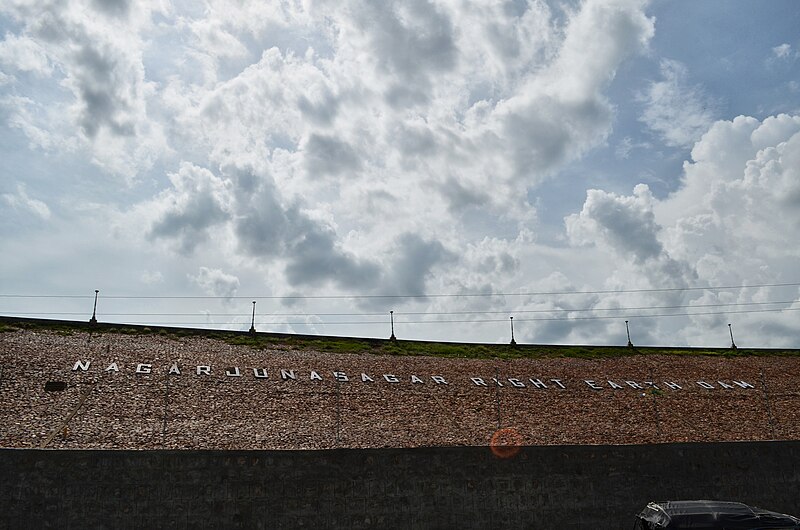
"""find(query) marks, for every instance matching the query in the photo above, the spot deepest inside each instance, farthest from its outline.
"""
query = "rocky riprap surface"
(385, 401)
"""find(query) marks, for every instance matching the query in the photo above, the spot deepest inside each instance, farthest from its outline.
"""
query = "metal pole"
(391, 319)
(733, 344)
(253, 321)
(93, 320)
(627, 329)
(512, 331)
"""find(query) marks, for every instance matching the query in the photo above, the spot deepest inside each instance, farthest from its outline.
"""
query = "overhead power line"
(407, 296)
(465, 321)
(414, 313)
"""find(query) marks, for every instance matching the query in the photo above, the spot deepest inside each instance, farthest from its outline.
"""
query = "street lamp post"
(93, 320)
(628, 331)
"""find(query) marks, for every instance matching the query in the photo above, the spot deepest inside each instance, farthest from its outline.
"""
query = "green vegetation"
(5, 328)
(362, 346)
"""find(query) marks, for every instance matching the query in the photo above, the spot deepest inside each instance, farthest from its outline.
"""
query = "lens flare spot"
(506, 443)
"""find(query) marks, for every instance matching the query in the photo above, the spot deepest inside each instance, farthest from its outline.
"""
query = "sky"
(570, 164)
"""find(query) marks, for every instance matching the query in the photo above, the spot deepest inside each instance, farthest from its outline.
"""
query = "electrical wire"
(471, 321)
(402, 313)
(406, 296)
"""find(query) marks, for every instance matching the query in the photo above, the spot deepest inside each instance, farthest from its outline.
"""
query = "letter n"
(83, 365)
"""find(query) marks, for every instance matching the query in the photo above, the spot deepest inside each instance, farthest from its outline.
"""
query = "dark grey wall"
(541, 487)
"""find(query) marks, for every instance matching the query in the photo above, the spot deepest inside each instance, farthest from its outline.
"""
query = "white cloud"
(561, 112)
(627, 145)
(734, 221)
(24, 54)
(624, 224)
(31, 118)
(678, 112)
(306, 147)
(626, 228)
(784, 51)
(93, 54)
(151, 277)
(197, 203)
(21, 201)
(215, 282)
(365, 142)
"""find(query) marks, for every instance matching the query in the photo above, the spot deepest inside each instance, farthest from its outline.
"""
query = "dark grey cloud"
(414, 141)
(266, 228)
(412, 262)
(411, 41)
(119, 8)
(627, 224)
(97, 74)
(633, 234)
(321, 112)
(263, 226)
(188, 223)
(327, 155)
(460, 197)
(106, 78)
(546, 133)
(502, 262)
(402, 96)
(315, 260)
(604, 331)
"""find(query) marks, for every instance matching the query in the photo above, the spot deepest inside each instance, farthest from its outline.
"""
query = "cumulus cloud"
(677, 111)
(197, 202)
(734, 221)
(413, 260)
(394, 148)
(410, 41)
(99, 64)
(112, 7)
(327, 155)
(744, 171)
(627, 228)
(25, 54)
(345, 113)
(351, 162)
(625, 224)
(562, 112)
(744, 225)
(201, 204)
(215, 282)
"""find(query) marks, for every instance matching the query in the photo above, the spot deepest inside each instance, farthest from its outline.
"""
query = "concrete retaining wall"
(540, 487)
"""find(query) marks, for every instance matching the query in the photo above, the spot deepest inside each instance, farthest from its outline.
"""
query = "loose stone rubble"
(141, 405)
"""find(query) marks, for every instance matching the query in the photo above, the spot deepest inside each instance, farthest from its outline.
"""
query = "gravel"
(130, 410)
